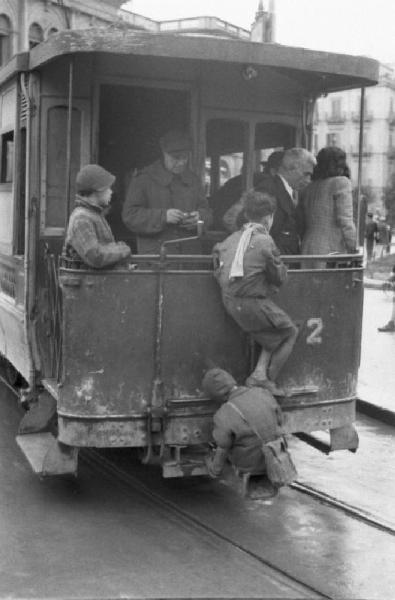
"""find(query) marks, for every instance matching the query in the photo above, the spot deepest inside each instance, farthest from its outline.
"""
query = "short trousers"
(259, 317)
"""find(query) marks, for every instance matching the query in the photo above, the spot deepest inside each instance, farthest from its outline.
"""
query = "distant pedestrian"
(390, 284)
(370, 236)
(382, 238)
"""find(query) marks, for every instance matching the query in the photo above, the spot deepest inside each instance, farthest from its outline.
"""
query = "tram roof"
(320, 71)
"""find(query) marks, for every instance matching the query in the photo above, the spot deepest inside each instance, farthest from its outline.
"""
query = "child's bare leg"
(260, 371)
(282, 352)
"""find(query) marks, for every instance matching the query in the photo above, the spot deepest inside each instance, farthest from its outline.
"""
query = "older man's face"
(300, 176)
(176, 162)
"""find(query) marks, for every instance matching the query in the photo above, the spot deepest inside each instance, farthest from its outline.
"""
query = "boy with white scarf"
(249, 271)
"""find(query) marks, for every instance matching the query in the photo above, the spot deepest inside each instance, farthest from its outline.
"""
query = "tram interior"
(132, 119)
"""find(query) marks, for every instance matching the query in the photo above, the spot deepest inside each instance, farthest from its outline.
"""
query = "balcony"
(368, 116)
(391, 118)
(336, 118)
(391, 153)
(366, 152)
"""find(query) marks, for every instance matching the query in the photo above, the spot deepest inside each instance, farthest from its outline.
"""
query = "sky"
(362, 27)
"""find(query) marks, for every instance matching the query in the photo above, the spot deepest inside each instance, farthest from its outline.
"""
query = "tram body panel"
(112, 347)
(326, 305)
(108, 343)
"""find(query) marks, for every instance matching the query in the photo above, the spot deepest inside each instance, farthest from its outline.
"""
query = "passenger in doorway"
(249, 271)
(370, 235)
(89, 238)
(234, 436)
(166, 199)
(390, 285)
(234, 216)
(293, 175)
(327, 208)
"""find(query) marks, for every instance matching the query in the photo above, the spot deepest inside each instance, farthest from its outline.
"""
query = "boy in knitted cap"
(89, 238)
(249, 271)
(232, 431)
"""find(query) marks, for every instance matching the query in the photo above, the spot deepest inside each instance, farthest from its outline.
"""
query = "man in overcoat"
(166, 199)
(293, 175)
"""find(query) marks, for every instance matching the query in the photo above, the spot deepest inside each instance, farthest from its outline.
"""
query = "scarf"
(237, 267)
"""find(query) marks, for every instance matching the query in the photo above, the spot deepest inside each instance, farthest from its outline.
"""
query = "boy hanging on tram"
(249, 270)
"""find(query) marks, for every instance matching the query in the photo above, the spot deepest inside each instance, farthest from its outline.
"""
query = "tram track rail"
(346, 508)
(101, 464)
(109, 468)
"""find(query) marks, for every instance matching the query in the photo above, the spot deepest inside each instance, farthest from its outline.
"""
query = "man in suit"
(293, 175)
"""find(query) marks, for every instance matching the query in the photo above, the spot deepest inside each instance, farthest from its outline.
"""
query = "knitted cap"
(175, 141)
(217, 383)
(93, 178)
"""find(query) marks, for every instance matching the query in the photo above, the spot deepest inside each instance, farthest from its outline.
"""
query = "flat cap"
(217, 383)
(93, 178)
(175, 141)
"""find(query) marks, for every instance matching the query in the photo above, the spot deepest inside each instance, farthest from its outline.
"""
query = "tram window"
(270, 137)
(7, 157)
(225, 143)
(5, 40)
(56, 163)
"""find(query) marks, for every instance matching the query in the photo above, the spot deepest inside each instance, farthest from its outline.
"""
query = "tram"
(116, 357)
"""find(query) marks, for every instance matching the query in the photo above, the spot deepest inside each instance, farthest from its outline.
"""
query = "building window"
(332, 139)
(52, 31)
(36, 35)
(336, 107)
(5, 39)
(7, 157)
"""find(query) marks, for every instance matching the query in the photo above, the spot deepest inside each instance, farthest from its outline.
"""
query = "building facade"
(336, 123)
(26, 23)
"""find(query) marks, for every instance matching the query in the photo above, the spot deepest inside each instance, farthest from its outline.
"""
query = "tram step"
(47, 456)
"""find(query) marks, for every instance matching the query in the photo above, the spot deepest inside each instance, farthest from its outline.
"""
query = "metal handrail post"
(360, 152)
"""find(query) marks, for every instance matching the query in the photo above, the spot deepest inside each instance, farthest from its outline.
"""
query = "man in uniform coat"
(166, 199)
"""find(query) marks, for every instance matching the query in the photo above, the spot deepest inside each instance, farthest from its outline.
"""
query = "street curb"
(373, 284)
(376, 412)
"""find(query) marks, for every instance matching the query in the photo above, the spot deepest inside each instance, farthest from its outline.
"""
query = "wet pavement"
(63, 538)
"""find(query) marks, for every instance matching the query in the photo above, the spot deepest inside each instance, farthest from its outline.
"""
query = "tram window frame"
(83, 106)
(213, 179)
(7, 157)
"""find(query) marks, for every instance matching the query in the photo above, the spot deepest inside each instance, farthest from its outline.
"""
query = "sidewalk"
(376, 380)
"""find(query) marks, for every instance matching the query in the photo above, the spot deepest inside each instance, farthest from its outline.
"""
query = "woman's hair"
(258, 204)
(331, 162)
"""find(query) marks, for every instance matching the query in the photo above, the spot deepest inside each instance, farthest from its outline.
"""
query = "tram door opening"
(132, 119)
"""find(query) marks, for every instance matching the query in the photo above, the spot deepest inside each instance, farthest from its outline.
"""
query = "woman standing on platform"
(326, 208)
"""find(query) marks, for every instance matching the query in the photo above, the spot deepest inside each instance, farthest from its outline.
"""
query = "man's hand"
(174, 216)
(211, 471)
(190, 220)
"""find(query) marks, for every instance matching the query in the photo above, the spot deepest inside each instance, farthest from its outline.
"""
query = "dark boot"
(390, 326)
